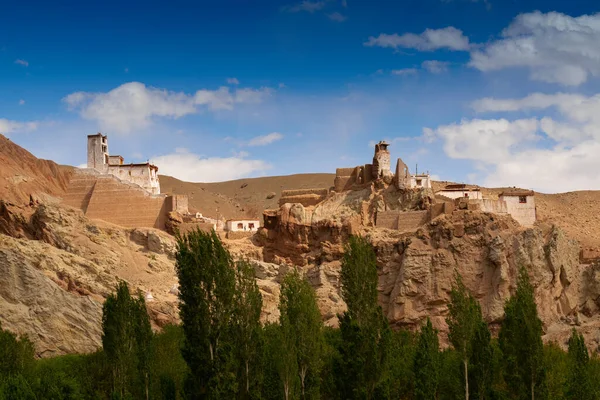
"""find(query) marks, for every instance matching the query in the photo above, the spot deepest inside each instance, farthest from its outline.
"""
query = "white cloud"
(484, 140)
(541, 153)
(405, 71)
(22, 62)
(233, 81)
(7, 126)
(194, 168)
(337, 17)
(554, 47)
(134, 105)
(306, 5)
(430, 40)
(265, 139)
(434, 66)
(21, 102)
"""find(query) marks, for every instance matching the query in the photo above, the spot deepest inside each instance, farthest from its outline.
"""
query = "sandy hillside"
(242, 197)
(22, 174)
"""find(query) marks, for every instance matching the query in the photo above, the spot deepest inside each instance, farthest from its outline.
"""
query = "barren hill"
(22, 174)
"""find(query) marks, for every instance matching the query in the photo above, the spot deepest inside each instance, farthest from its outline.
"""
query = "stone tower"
(97, 152)
(381, 160)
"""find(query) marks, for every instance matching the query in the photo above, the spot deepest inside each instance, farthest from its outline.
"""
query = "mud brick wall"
(179, 203)
(122, 204)
(387, 219)
(300, 192)
(411, 220)
(306, 197)
(306, 200)
(79, 191)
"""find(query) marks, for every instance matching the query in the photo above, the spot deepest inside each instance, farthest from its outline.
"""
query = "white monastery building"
(98, 158)
(243, 225)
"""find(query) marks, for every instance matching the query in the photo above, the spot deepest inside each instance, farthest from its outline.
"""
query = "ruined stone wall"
(345, 178)
(411, 220)
(179, 203)
(306, 197)
(404, 221)
(387, 219)
(441, 208)
(402, 178)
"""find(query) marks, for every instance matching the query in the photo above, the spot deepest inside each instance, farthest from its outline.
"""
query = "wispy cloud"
(337, 17)
(404, 71)
(265, 139)
(306, 5)
(21, 102)
(24, 63)
(233, 81)
(435, 66)
(430, 40)
(7, 126)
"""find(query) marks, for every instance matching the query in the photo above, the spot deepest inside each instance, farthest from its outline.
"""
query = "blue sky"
(496, 92)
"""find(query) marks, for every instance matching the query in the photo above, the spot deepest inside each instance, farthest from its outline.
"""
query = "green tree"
(301, 325)
(16, 387)
(365, 331)
(482, 362)
(126, 337)
(247, 328)
(167, 366)
(16, 354)
(520, 340)
(427, 363)
(557, 371)
(579, 384)
(464, 319)
(207, 284)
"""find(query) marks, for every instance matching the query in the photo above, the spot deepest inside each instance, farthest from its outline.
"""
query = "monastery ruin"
(400, 201)
(129, 195)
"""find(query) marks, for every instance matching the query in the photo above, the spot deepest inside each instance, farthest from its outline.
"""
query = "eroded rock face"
(416, 269)
(59, 267)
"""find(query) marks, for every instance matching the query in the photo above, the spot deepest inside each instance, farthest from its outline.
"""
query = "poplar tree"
(126, 339)
(365, 331)
(207, 284)
(301, 325)
(464, 319)
(427, 363)
(246, 326)
(579, 385)
(520, 340)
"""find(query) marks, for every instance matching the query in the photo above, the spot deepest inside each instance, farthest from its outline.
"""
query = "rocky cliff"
(416, 268)
(57, 267)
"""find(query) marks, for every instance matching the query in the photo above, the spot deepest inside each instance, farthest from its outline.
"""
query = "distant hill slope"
(242, 197)
(22, 174)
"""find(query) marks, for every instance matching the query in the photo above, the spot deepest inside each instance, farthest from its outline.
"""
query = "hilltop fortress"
(372, 196)
(368, 195)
